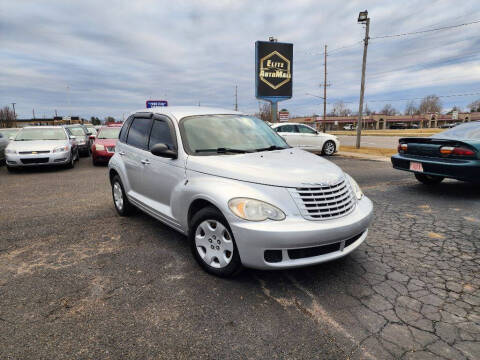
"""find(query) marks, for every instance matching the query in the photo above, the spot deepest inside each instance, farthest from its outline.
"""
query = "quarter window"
(161, 135)
(138, 133)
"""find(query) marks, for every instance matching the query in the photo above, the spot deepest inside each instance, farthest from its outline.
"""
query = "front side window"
(305, 130)
(207, 134)
(161, 135)
(41, 134)
(138, 133)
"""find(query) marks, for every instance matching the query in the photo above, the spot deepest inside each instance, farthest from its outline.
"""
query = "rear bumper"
(466, 170)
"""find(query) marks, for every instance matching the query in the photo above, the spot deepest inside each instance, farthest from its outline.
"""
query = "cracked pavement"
(77, 281)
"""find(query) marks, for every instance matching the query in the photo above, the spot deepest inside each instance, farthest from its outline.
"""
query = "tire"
(329, 148)
(120, 200)
(429, 179)
(71, 163)
(11, 169)
(77, 158)
(94, 162)
(212, 243)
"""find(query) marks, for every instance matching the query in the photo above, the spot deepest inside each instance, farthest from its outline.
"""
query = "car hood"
(36, 145)
(106, 142)
(287, 168)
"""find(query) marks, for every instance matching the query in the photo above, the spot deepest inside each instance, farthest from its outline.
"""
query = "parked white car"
(307, 138)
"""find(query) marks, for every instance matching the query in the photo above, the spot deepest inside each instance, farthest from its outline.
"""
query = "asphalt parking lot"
(79, 282)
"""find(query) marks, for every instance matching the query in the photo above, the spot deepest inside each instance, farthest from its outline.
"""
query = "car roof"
(287, 123)
(43, 127)
(73, 125)
(180, 112)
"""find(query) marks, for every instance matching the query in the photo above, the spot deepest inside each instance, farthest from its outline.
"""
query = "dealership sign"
(156, 103)
(273, 70)
(283, 116)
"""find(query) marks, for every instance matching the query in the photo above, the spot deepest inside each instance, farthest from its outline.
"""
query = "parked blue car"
(454, 153)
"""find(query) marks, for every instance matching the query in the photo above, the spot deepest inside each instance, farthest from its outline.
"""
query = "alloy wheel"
(329, 148)
(214, 243)
(118, 195)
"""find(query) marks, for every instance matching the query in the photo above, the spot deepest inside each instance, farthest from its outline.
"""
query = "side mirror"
(162, 150)
(92, 137)
(72, 137)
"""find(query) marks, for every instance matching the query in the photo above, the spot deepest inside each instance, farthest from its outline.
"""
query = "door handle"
(121, 153)
(145, 162)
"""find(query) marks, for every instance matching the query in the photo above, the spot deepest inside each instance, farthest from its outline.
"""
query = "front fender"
(116, 164)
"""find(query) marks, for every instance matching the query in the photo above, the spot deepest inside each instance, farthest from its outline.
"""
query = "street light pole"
(325, 92)
(362, 18)
(14, 113)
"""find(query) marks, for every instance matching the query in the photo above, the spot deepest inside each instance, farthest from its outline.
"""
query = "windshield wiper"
(223, 150)
(271, 148)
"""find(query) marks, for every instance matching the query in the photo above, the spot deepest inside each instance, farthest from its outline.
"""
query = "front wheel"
(212, 243)
(329, 148)
(429, 179)
(71, 163)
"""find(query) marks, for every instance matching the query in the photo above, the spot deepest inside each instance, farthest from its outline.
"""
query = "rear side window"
(286, 128)
(138, 133)
(123, 133)
(161, 134)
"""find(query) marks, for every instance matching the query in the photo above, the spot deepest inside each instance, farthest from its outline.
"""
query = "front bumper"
(102, 155)
(256, 240)
(25, 160)
(460, 169)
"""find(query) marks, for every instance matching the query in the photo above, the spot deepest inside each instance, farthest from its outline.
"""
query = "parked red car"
(104, 146)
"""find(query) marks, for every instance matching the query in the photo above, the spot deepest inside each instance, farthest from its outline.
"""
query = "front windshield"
(92, 130)
(206, 134)
(41, 134)
(464, 131)
(109, 133)
(77, 131)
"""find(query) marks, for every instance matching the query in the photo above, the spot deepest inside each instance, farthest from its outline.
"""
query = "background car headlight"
(356, 189)
(255, 210)
(99, 147)
(10, 151)
(60, 149)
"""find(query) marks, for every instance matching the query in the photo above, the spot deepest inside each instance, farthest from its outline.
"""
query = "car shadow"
(38, 169)
(451, 189)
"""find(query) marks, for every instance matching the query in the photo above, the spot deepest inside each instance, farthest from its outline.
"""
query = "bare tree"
(474, 106)
(430, 104)
(388, 109)
(339, 109)
(367, 110)
(7, 117)
(264, 111)
(411, 108)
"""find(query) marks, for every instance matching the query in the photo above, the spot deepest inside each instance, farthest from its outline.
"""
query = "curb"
(363, 156)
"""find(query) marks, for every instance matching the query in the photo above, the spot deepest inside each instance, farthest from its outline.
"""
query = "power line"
(425, 31)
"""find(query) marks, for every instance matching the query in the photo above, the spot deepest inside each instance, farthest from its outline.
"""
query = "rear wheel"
(329, 148)
(212, 243)
(120, 200)
(429, 179)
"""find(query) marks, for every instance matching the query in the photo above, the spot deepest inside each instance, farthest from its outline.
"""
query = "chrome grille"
(324, 202)
(34, 152)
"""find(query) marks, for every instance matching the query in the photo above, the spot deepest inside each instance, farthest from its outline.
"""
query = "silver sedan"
(41, 145)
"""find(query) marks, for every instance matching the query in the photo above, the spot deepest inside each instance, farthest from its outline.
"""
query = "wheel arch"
(197, 205)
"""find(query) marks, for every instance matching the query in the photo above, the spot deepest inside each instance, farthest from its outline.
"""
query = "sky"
(105, 58)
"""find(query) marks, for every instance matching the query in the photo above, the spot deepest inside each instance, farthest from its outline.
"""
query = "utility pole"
(14, 113)
(325, 93)
(33, 112)
(236, 97)
(362, 18)
(56, 113)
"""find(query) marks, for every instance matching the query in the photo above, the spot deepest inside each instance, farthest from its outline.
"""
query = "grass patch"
(369, 150)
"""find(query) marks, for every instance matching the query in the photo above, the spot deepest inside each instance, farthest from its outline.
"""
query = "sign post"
(273, 73)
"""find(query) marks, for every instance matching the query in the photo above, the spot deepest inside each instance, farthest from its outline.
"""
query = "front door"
(163, 175)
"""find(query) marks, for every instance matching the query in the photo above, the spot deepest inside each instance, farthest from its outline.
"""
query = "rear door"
(290, 133)
(162, 175)
(134, 152)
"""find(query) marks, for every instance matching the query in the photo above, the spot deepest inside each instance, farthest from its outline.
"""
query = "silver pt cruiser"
(236, 189)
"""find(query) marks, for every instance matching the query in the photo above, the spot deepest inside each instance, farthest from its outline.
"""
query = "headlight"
(10, 151)
(60, 149)
(356, 189)
(99, 147)
(255, 210)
